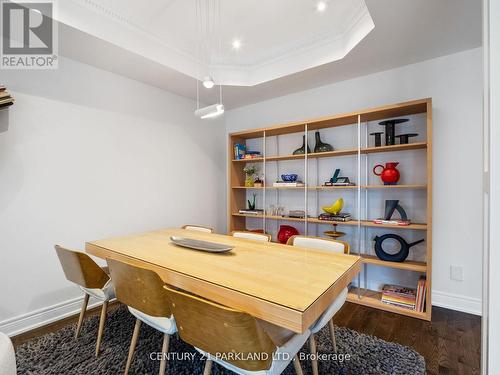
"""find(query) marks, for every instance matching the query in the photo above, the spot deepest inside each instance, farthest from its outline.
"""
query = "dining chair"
(81, 269)
(251, 235)
(198, 228)
(231, 338)
(7, 356)
(327, 317)
(141, 290)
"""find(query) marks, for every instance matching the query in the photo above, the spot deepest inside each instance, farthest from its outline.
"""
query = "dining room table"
(287, 286)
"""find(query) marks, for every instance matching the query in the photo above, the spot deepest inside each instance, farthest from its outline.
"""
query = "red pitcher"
(389, 174)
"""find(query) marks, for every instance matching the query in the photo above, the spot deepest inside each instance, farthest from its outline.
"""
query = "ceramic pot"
(302, 150)
(320, 146)
(389, 174)
(285, 232)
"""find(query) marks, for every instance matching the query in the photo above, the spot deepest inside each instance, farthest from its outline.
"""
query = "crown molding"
(293, 57)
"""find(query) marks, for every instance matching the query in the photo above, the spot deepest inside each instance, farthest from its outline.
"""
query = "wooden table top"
(285, 285)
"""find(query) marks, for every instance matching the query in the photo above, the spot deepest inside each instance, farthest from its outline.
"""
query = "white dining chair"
(141, 290)
(198, 228)
(92, 279)
(219, 333)
(251, 235)
(327, 317)
(7, 356)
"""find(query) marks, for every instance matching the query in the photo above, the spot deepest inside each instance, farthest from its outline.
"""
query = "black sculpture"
(392, 205)
(378, 138)
(405, 138)
(302, 150)
(390, 130)
(321, 146)
(403, 252)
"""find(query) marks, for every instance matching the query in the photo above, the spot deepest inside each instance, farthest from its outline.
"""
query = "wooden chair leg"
(164, 351)
(82, 315)
(104, 311)
(296, 364)
(133, 342)
(208, 367)
(314, 352)
(332, 335)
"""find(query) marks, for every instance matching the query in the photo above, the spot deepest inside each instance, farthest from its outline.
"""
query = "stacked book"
(421, 290)
(251, 212)
(5, 98)
(288, 184)
(399, 296)
(341, 216)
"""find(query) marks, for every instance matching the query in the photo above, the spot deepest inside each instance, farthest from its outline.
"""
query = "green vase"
(302, 150)
(320, 146)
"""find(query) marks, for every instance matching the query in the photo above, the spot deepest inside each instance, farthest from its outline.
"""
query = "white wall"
(455, 84)
(492, 350)
(89, 154)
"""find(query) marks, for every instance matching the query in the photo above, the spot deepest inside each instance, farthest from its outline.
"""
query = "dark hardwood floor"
(450, 344)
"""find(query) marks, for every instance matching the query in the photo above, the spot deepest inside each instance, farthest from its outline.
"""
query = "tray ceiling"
(279, 37)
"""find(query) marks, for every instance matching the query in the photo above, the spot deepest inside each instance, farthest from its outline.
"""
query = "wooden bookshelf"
(237, 192)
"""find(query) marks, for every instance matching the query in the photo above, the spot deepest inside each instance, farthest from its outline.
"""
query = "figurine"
(320, 146)
(401, 255)
(302, 150)
(389, 175)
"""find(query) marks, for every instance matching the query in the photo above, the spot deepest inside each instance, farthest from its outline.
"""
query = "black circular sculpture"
(401, 255)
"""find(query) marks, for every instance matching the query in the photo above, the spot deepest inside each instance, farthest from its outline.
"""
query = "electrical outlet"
(456, 273)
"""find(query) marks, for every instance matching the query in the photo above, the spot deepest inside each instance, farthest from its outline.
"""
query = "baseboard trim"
(457, 302)
(38, 318)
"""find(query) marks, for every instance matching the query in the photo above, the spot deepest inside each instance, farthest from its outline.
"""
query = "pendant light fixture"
(208, 21)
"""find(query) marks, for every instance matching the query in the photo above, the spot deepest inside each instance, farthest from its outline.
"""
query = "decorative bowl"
(289, 177)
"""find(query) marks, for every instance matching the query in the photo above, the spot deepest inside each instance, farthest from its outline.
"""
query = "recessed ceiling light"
(236, 44)
(208, 82)
(321, 6)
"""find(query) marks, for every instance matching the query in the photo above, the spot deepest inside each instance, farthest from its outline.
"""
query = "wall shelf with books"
(355, 152)
(6, 100)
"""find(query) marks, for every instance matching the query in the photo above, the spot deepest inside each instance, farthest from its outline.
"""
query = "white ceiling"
(280, 37)
(406, 31)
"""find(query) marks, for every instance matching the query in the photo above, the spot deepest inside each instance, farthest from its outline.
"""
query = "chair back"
(320, 244)
(198, 228)
(139, 288)
(7, 356)
(251, 235)
(215, 329)
(81, 269)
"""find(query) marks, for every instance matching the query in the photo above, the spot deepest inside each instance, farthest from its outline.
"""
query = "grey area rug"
(59, 353)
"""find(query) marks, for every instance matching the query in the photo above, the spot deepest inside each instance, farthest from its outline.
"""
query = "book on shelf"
(341, 216)
(288, 184)
(2, 88)
(392, 222)
(7, 100)
(421, 291)
(339, 184)
(399, 296)
(251, 212)
(4, 94)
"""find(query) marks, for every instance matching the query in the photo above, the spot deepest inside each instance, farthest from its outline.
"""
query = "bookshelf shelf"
(329, 154)
(371, 187)
(372, 298)
(363, 223)
(305, 196)
(406, 265)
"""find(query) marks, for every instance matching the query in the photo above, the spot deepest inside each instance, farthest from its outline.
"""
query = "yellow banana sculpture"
(335, 208)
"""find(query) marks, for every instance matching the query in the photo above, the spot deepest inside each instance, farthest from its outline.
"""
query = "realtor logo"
(29, 35)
